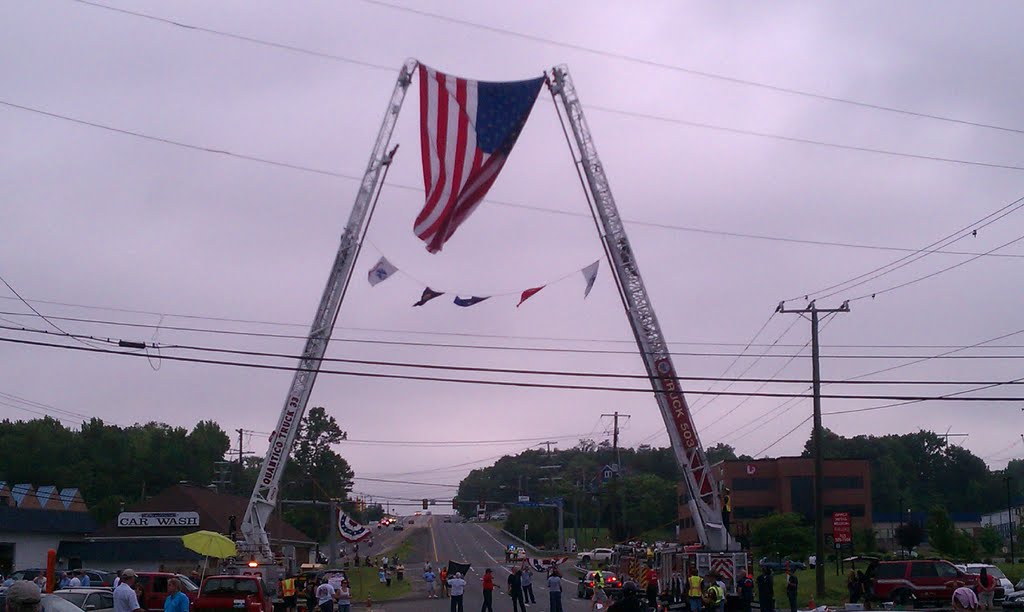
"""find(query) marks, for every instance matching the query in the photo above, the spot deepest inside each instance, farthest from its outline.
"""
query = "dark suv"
(922, 580)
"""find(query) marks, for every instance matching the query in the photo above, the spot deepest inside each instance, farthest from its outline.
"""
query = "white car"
(88, 599)
(995, 572)
(598, 555)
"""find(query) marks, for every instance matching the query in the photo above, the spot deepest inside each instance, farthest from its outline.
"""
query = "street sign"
(842, 531)
(524, 498)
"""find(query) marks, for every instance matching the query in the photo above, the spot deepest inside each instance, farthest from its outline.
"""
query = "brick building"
(786, 484)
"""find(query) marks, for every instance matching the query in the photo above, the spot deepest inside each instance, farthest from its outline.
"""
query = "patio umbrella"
(209, 544)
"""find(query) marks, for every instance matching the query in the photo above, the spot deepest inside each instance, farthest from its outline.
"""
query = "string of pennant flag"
(384, 269)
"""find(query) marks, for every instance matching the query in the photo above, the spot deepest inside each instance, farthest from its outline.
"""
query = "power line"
(406, 482)
(784, 436)
(690, 71)
(501, 383)
(255, 334)
(320, 171)
(248, 39)
(970, 229)
(548, 41)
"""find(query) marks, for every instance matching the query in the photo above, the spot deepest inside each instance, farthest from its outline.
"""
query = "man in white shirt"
(458, 588)
(75, 581)
(324, 596)
(125, 599)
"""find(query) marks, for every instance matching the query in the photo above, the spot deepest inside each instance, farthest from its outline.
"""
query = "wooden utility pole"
(819, 461)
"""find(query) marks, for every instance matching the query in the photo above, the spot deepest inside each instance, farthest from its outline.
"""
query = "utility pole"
(1009, 516)
(618, 464)
(819, 461)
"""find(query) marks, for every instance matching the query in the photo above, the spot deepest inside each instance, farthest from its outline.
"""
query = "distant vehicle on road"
(398, 527)
(598, 555)
(447, 519)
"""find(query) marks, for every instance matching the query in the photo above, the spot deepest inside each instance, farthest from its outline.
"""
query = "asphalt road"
(481, 546)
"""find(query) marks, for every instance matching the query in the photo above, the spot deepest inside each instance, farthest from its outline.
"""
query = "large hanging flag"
(467, 130)
(590, 275)
(381, 271)
(428, 294)
(351, 530)
(529, 293)
(465, 302)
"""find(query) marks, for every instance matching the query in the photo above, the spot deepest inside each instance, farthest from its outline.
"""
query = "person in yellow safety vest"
(289, 594)
(694, 590)
(726, 508)
(714, 596)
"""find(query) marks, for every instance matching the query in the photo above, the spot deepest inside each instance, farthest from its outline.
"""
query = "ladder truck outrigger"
(717, 551)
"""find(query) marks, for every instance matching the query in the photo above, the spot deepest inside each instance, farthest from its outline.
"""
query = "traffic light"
(425, 502)
(455, 503)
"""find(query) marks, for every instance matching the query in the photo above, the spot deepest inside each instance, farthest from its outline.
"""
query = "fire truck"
(717, 549)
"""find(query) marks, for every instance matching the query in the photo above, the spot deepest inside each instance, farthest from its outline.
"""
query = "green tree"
(909, 536)
(782, 535)
(941, 532)
(865, 540)
(989, 540)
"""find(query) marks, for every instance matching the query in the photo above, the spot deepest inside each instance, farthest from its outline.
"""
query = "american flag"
(467, 130)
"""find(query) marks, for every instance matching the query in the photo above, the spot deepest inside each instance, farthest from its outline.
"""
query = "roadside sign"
(524, 498)
(842, 532)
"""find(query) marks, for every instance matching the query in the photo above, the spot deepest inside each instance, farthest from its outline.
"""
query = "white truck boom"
(264, 495)
(704, 497)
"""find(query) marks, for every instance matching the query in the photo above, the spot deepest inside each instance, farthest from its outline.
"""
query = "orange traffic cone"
(369, 603)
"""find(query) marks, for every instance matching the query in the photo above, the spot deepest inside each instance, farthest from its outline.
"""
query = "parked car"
(248, 593)
(1014, 600)
(782, 565)
(1003, 584)
(921, 580)
(598, 555)
(612, 585)
(398, 527)
(154, 589)
(89, 599)
(54, 603)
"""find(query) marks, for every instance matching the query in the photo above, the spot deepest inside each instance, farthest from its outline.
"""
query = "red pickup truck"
(154, 589)
(233, 594)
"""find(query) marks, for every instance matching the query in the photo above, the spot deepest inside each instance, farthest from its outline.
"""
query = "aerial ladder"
(256, 541)
(704, 497)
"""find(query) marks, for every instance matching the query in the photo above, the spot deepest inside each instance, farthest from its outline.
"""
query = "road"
(481, 546)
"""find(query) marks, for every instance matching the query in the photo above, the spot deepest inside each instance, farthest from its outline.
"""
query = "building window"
(753, 484)
(801, 496)
(752, 512)
(844, 482)
(855, 510)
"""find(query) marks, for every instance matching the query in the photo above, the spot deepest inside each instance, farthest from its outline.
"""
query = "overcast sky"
(93, 217)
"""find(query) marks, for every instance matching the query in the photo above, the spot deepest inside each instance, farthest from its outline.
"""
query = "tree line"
(115, 466)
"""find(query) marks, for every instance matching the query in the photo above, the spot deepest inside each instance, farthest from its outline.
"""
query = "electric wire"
(691, 71)
(486, 382)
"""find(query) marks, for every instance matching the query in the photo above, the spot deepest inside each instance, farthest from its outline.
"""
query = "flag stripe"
(459, 128)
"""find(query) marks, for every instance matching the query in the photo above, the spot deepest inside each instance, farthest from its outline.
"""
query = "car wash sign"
(158, 519)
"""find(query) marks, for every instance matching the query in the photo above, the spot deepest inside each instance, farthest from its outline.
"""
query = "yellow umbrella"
(210, 544)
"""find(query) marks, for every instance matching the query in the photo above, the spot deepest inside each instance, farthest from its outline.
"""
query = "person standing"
(853, 586)
(430, 579)
(986, 590)
(766, 589)
(400, 572)
(488, 590)
(444, 581)
(714, 596)
(527, 579)
(746, 588)
(75, 581)
(125, 597)
(310, 592)
(652, 587)
(23, 596)
(86, 582)
(325, 596)
(694, 589)
(458, 588)
(555, 590)
(600, 599)
(176, 600)
(288, 593)
(792, 587)
(515, 590)
(344, 597)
